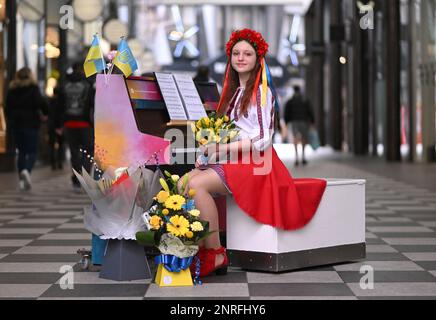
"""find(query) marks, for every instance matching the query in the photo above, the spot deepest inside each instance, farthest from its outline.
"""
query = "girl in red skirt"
(248, 168)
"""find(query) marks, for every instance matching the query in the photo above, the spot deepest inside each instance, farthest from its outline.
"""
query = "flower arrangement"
(213, 129)
(174, 225)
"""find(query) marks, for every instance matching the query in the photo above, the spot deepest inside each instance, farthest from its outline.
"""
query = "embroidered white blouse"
(258, 123)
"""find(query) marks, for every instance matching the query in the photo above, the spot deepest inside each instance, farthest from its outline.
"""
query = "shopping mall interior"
(366, 68)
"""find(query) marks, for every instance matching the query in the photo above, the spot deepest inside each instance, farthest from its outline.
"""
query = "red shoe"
(208, 260)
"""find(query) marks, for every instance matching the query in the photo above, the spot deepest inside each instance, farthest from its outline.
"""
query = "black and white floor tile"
(41, 230)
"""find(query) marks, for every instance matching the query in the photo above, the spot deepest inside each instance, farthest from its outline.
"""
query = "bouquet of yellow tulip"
(174, 227)
(214, 129)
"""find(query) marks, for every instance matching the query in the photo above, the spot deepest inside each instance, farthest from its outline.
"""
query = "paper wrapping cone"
(116, 212)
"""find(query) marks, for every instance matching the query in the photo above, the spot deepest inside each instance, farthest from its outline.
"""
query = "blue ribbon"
(197, 272)
(272, 87)
(173, 263)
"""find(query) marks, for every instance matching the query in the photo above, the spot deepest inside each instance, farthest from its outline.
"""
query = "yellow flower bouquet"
(175, 228)
(214, 129)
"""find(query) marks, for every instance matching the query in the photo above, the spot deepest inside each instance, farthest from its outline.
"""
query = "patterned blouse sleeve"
(264, 123)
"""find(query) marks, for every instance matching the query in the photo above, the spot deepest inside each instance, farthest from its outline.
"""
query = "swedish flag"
(94, 60)
(124, 60)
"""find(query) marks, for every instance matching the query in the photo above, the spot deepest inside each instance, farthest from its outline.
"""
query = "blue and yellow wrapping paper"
(173, 271)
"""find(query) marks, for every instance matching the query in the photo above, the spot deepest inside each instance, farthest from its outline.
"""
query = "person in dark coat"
(25, 108)
(299, 113)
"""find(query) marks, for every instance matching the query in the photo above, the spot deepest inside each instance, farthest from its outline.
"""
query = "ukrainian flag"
(94, 60)
(124, 60)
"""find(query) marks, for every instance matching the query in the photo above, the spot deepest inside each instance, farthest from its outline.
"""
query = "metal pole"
(393, 80)
(336, 102)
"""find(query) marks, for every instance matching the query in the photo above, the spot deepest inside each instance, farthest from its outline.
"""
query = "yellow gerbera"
(162, 196)
(175, 202)
(178, 226)
(196, 226)
(155, 222)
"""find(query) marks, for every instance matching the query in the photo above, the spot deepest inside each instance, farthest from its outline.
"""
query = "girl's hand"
(203, 150)
(211, 150)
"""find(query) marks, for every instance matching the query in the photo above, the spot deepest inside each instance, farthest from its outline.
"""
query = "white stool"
(335, 234)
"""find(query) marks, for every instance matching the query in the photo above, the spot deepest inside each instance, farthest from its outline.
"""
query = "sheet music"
(192, 102)
(171, 96)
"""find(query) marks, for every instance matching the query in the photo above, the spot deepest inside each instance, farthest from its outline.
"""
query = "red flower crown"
(253, 37)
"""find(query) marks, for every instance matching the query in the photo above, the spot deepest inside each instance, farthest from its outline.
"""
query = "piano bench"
(336, 234)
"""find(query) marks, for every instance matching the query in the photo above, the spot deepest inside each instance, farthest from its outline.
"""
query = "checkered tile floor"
(41, 230)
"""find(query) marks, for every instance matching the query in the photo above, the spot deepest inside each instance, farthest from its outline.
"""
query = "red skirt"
(267, 192)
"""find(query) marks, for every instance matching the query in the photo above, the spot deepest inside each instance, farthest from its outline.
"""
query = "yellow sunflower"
(175, 202)
(178, 226)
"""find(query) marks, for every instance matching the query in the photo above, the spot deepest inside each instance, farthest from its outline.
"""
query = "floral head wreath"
(252, 37)
(263, 78)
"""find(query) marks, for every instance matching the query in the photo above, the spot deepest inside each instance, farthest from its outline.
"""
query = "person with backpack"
(77, 103)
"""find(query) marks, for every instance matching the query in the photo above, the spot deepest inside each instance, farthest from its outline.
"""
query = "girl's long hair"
(233, 84)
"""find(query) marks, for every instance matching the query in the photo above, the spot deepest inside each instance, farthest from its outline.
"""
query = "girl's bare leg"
(190, 175)
(206, 182)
